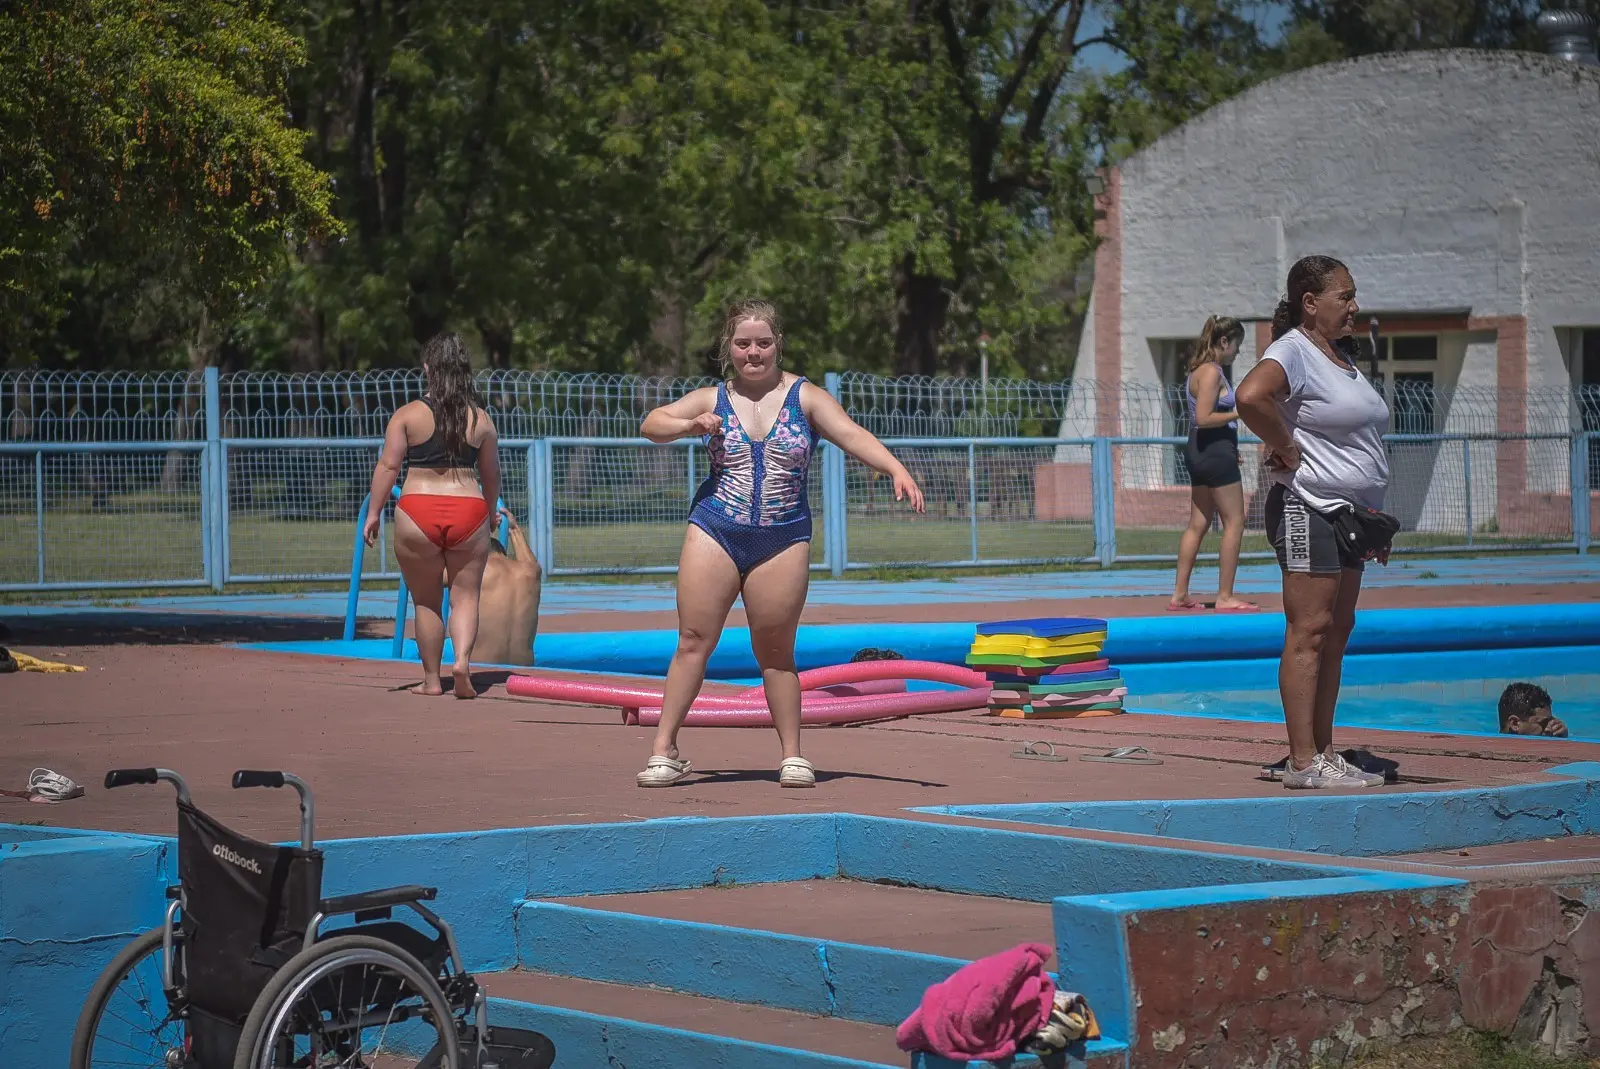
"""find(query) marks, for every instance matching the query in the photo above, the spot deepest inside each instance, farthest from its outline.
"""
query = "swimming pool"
(1433, 670)
(1459, 706)
(1446, 691)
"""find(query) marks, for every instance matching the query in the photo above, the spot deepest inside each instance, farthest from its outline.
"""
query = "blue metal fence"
(226, 508)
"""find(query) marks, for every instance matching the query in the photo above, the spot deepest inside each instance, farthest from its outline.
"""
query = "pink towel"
(986, 1010)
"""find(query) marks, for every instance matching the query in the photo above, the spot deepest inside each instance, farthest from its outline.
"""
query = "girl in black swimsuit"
(1212, 457)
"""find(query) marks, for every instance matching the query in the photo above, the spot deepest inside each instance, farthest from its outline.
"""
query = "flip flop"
(1028, 752)
(1125, 755)
(1241, 609)
(1188, 606)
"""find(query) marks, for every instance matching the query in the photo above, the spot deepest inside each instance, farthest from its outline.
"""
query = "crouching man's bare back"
(508, 607)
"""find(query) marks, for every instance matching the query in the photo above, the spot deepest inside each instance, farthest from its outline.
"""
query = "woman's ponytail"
(1218, 331)
(1283, 320)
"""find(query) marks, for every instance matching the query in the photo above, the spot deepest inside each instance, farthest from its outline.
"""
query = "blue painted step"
(824, 979)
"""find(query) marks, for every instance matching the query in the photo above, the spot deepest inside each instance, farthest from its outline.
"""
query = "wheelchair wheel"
(127, 1021)
(350, 1002)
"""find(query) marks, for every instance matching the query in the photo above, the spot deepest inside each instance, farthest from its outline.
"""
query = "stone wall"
(1287, 983)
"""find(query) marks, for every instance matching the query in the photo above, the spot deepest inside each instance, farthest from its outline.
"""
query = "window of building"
(1175, 358)
(1406, 347)
(1414, 405)
(1396, 374)
(1413, 347)
(1176, 403)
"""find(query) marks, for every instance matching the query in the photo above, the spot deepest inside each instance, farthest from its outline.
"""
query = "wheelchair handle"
(123, 777)
(247, 778)
(255, 778)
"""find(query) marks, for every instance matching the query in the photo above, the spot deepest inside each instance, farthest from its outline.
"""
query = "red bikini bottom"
(447, 521)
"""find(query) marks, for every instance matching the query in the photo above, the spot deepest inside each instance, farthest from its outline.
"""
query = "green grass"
(1460, 1050)
(161, 542)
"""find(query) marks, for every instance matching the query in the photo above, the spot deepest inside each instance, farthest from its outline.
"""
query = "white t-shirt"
(1337, 420)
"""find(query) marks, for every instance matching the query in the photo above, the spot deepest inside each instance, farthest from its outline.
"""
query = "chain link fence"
(1445, 490)
(60, 406)
(112, 480)
(124, 515)
(988, 502)
(1004, 408)
(621, 506)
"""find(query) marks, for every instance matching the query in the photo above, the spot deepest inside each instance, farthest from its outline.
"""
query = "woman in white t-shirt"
(1322, 423)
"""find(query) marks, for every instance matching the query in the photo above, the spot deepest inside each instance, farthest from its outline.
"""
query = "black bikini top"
(431, 454)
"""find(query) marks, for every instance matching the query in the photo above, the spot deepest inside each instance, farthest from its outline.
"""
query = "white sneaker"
(797, 772)
(1374, 779)
(663, 772)
(1324, 774)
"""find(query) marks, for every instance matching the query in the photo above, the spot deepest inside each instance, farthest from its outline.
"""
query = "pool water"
(1461, 706)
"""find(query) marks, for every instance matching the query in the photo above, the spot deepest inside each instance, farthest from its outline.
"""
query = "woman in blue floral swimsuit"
(750, 525)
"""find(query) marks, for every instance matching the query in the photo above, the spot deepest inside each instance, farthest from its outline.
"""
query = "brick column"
(1108, 306)
(1263, 337)
(1511, 413)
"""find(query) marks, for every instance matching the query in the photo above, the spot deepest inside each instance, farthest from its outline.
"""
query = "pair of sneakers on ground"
(1352, 769)
(665, 771)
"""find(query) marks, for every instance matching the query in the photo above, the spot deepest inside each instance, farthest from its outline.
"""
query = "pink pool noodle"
(832, 710)
(861, 671)
(852, 690)
(572, 690)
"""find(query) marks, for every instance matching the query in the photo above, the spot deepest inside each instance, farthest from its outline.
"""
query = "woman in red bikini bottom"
(447, 444)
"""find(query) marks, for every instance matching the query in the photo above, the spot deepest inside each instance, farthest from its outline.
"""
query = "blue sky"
(1271, 17)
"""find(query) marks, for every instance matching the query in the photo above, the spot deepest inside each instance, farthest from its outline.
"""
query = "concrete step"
(594, 1024)
(869, 1044)
(965, 927)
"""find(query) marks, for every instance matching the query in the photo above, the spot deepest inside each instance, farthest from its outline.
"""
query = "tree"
(1321, 30)
(585, 186)
(956, 135)
(560, 179)
(1180, 60)
(148, 154)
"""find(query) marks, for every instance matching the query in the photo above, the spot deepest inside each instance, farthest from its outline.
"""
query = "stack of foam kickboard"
(1047, 669)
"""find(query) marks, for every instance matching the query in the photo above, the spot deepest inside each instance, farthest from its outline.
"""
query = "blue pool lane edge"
(1130, 640)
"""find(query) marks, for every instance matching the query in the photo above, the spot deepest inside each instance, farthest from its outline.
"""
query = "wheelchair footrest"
(507, 1048)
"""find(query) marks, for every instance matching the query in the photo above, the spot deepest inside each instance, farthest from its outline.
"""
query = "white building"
(1462, 188)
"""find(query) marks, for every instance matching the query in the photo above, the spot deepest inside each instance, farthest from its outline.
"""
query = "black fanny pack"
(1363, 533)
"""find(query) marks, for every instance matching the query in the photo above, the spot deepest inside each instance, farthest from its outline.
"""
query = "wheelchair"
(243, 973)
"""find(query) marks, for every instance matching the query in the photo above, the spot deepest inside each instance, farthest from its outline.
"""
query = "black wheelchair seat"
(431, 950)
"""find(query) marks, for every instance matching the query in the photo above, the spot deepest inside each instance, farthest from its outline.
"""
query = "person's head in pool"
(1525, 709)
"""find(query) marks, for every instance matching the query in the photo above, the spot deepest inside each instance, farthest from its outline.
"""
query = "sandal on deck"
(1031, 751)
(796, 772)
(47, 787)
(663, 771)
(1186, 605)
(1125, 755)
